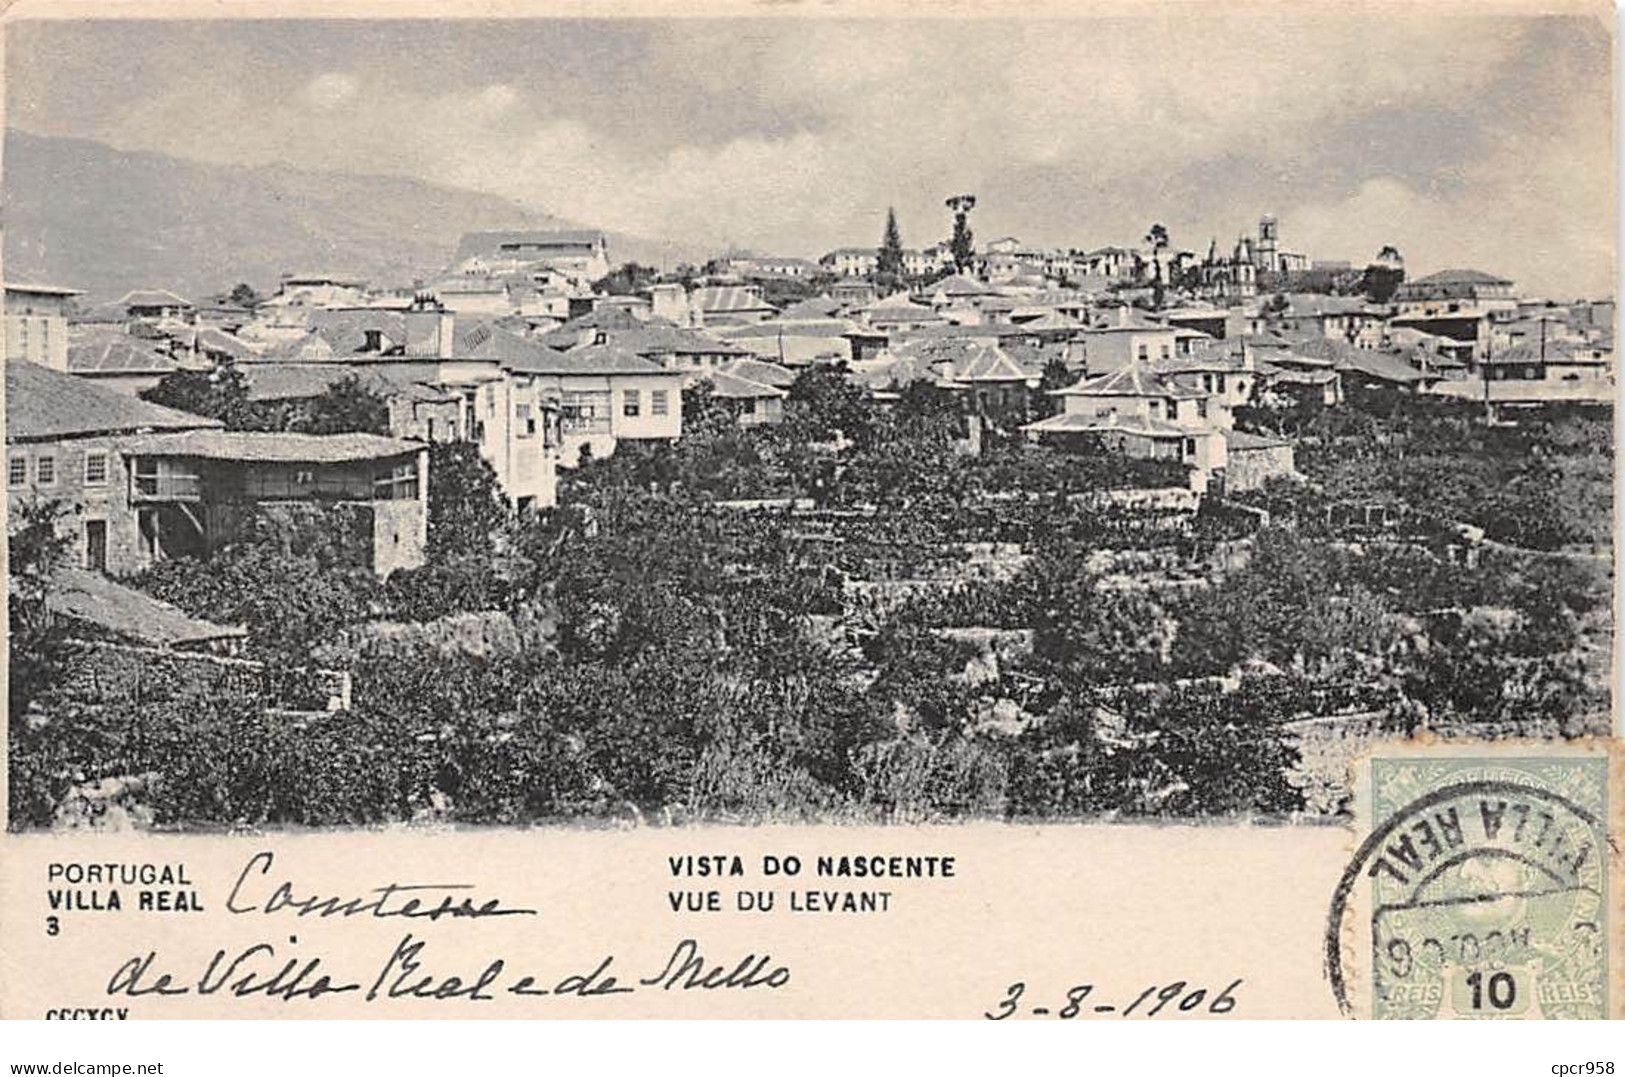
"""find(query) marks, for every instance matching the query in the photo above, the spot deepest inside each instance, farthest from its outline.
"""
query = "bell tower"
(1269, 259)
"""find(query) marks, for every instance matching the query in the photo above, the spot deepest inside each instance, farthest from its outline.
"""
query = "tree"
(348, 407)
(467, 509)
(889, 260)
(1383, 276)
(220, 393)
(1157, 238)
(963, 243)
(36, 550)
(244, 295)
(1056, 375)
(629, 279)
(823, 401)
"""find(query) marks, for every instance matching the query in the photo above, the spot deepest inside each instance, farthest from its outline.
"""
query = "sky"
(1480, 141)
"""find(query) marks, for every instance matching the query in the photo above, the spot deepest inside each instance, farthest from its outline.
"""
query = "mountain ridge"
(81, 213)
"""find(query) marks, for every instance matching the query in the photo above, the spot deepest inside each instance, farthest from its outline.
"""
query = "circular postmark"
(1486, 899)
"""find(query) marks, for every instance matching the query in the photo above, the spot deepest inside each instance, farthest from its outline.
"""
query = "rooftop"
(255, 446)
(1071, 423)
(93, 598)
(1461, 276)
(97, 350)
(474, 244)
(734, 387)
(153, 297)
(41, 289)
(44, 405)
(1132, 380)
(591, 360)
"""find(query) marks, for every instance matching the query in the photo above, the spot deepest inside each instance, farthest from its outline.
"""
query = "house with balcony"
(604, 393)
(139, 483)
(65, 438)
(196, 490)
(1141, 414)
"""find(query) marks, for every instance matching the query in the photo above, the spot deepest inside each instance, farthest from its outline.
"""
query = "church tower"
(1269, 259)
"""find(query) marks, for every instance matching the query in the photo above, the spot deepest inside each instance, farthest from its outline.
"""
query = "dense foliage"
(848, 616)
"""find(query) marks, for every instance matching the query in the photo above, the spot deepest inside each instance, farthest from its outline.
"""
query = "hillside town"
(975, 528)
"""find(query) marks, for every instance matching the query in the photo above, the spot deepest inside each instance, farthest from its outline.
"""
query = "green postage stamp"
(1487, 886)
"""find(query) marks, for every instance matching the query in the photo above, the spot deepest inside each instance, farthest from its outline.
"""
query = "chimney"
(429, 328)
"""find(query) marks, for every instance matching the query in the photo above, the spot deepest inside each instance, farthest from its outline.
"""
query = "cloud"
(1477, 140)
(330, 90)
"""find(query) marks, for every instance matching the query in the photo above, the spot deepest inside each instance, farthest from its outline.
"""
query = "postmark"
(1484, 890)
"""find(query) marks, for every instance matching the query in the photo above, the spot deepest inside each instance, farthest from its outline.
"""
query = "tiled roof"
(23, 288)
(93, 598)
(757, 370)
(568, 335)
(1380, 365)
(474, 244)
(1068, 423)
(819, 306)
(153, 297)
(1556, 351)
(271, 447)
(894, 370)
(732, 387)
(730, 299)
(958, 284)
(1125, 320)
(651, 338)
(791, 327)
(987, 362)
(900, 309)
(1132, 380)
(44, 404)
(594, 359)
(1460, 276)
(1297, 377)
(95, 350)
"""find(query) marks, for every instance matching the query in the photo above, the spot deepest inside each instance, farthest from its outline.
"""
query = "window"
(1201, 409)
(95, 469)
(490, 400)
(1165, 351)
(748, 406)
(45, 470)
(1173, 410)
(1190, 446)
(631, 403)
(1144, 352)
(524, 419)
(17, 471)
(1220, 381)
(397, 483)
(657, 401)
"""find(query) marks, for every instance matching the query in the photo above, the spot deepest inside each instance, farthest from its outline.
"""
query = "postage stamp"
(1487, 885)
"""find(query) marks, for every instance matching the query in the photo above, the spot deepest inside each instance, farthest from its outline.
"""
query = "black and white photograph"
(667, 422)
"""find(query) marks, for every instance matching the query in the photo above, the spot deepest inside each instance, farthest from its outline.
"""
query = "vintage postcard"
(1053, 511)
